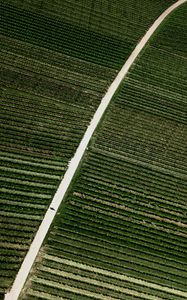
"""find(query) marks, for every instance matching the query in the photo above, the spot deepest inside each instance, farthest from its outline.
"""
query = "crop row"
(158, 140)
(131, 261)
(118, 246)
(42, 123)
(48, 100)
(176, 28)
(119, 19)
(52, 262)
(38, 137)
(90, 232)
(118, 199)
(152, 109)
(30, 161)
(129, 241)
(134, 267)
(119, 196)
(26, 189)
(55, 59)
(144, 226)
(84, 286)
(65, 38)
(34, 66)
(148, 227)
(66, 114)
(26, 195)
(156, 98)
(32, 110)
(73, 275)
(49, 88)
(123, 217)
(144, 180)
(154, 114)
(109, 263)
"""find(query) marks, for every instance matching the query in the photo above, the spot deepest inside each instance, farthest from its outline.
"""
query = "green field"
(126, 212)
(121, 233)
(119, 19)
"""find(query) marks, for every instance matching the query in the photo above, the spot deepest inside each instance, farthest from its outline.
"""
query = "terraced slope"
(122, 231)
(54, 71)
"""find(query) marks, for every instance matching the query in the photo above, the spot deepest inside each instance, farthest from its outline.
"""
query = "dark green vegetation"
(65, 38)
(122, 232)
(121, 19)
(42, 122)
(57, 60)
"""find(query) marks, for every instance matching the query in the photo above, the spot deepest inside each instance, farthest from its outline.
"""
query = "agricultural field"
(57, 60)
(152, 104)
(120, 18)
(42, 122)
(121, 232)
(47, 101)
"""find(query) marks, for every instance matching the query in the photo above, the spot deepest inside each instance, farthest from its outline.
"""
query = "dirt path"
(58, 198)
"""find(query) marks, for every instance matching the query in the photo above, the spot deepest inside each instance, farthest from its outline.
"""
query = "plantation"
(122, 19)
(121, 232)
(48, 99)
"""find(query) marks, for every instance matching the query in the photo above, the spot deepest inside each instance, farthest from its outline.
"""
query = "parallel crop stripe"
(109, 184)
(124, 256)
(135, 221)
(30, 160)
(15, 246)
(108, 156)
(33, 251)
(166, 206)
(37, 195)
(129, 250)
(32, 173)
(126, 208)
(131, 265)
(106, 222)
(42, 295)
(33, 164)
(28, 183)
(131, 175)
(22, 204)
(93, 282)
(74, 290)
(118, 276)
(20, 216)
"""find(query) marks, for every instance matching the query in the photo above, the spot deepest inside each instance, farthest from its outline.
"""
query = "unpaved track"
(58, 197)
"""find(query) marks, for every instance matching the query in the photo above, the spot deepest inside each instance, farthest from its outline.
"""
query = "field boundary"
(30, 257)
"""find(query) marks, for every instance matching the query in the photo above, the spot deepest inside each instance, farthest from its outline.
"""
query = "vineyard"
(47, 101)
(121, 232)
(119, 19)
